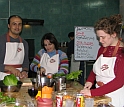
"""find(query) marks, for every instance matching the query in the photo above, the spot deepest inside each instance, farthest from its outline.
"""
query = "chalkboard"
(86, 44)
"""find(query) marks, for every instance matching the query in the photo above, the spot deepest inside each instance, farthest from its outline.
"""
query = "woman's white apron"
(50, 64)
(104, 70)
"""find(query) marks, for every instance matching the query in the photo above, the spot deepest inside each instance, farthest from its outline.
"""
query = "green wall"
(60, 16)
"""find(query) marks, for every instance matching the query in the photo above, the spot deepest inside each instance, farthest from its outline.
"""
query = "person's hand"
(85, 92)
(23, 74)
(42, 70)
(88, 85)
(15, 71)
(12, 70)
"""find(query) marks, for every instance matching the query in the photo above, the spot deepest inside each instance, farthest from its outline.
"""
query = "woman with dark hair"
(51, 38)
(108, 70)
(50, 58)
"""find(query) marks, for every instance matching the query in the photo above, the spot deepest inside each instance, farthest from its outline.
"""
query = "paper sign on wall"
(86, 44)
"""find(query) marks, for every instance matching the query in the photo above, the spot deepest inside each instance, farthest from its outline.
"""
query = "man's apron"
(104, 70)
(14, 55)
(50, 64)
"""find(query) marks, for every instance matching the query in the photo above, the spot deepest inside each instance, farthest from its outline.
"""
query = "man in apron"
(108, 70)
(14, 50)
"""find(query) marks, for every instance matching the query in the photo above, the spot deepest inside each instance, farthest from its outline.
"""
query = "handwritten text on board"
(86, 43)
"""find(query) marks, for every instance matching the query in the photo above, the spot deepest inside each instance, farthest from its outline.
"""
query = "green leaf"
(74, 75)
(10, 80)
(71, 76)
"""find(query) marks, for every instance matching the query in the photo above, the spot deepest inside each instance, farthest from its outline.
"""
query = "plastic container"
(89, 102)
(44, 102)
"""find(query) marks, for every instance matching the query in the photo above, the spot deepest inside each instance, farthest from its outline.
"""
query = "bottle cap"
(38, 65)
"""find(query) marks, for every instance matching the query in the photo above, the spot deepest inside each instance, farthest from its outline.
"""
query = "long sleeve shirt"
(118, 81)
(63, 60)
(70, 49)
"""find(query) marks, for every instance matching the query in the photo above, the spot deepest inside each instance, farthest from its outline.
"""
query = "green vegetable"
(10, 80)
(58, 75)
(74, 75)
(71, 76)
(6, 99)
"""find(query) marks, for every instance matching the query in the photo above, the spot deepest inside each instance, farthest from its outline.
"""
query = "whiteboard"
(86, 44)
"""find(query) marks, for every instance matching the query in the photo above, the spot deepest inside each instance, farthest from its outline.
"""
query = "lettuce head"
(10, 80)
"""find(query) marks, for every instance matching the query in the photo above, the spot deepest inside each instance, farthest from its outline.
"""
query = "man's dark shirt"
(70, 49)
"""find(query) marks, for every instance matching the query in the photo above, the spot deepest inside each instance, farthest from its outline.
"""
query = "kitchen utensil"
(43, 74)
(47, 81)
(10, 88)
(60, 83)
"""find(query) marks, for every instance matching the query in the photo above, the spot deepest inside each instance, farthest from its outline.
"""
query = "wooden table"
(22, 96)
(74, 86)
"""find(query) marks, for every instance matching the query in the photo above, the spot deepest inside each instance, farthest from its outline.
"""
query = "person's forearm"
(91, 77)
(33, 65)
(36, 61)
(64, 65)
(8, 68)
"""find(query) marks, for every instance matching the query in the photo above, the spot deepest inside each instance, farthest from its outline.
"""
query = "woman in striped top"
(51, 59)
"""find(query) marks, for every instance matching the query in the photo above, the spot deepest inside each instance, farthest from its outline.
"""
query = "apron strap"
(105, 49)
(115, 50)
(15, 66)
(8, 38)
(99, 83)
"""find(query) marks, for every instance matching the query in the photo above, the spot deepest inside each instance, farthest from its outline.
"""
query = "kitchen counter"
(76, 87)
(73, 86)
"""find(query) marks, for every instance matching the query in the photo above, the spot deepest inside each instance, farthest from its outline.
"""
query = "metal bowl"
(10, 88)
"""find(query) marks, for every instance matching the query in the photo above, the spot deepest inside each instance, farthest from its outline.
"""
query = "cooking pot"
(47, 81)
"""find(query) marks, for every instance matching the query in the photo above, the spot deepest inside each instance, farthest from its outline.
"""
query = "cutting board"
(26, 82)
(75, 86)
(102, 99)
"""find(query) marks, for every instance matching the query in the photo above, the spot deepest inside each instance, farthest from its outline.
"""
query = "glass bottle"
(38, 76)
